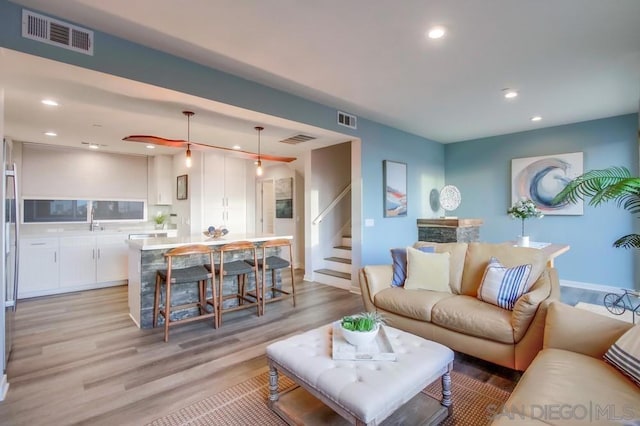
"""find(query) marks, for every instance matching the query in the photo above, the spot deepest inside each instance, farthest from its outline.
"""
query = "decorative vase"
(523, 241)
(360, 338)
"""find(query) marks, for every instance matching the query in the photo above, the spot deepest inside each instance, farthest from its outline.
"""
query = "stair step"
(338, 260)
(343, 247)
(333, 273)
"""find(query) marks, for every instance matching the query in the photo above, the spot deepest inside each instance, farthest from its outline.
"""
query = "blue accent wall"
(116, 56)
(481, 169)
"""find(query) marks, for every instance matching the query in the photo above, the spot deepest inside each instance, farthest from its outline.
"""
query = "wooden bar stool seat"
(273, 263)
(192, 274)
(240, 269)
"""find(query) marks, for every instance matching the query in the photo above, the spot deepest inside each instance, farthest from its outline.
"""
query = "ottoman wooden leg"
(273, 385)
(446, 391)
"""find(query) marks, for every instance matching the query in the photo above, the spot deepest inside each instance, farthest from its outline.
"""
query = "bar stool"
(192, 274)
(238, 268)
(273, 263)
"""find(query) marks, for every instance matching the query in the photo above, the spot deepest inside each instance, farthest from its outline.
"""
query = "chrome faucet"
(94, 226)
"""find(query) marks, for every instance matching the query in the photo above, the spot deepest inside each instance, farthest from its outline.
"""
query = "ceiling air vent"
(52, 31)
(347, 120)
(294, 140)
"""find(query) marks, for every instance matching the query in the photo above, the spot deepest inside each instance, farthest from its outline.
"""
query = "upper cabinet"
(225, 195)
(160, 180)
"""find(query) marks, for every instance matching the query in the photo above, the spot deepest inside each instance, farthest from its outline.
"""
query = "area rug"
(245, 404)
(599, 309)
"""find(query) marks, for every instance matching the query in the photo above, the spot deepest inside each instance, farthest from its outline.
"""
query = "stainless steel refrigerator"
(9, 265)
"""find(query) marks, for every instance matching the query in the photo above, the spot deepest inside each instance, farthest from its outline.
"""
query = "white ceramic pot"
(523, 241)
(360, 338)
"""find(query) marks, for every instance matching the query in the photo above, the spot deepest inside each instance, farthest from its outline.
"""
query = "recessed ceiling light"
(49, 102)
(51, 133)
(151, 147)
(536, 118)
(436, 32)
(93, 146)
(509, 93)
(236, 147)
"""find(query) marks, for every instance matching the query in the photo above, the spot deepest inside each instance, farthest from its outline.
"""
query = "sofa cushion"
(624, 354)
(416, 304)
(399, 259)
(457, 253)
(427, 271)
(479, 254)
(471, 316)
(583, 385)
(502, 286)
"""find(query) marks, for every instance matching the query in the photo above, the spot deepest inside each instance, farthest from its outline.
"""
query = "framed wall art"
(284, 198)
(395, 188)
(540, 179)
(182, 187)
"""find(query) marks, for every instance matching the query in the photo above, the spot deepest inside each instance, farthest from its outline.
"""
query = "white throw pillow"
(427, 271)
(624, 354)
(502, 286)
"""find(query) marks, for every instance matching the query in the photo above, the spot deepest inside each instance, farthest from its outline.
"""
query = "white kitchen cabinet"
(70, 263)
(38, 267)
(89, 260)
(225, 192)
(160, 180)
(77, 261)
(112, 258)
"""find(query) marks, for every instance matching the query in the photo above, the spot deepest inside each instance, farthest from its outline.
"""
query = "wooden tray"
(378, 350)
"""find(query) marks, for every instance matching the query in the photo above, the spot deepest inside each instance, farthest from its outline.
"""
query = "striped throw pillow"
(502, 286)
(624, 354)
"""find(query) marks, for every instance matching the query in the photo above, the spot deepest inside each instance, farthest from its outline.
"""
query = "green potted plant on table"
(361, 329)
(524, 209)
(159, 219)
(610, 184)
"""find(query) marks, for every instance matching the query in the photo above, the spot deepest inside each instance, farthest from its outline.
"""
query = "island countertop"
(146, 256)
(172, 242)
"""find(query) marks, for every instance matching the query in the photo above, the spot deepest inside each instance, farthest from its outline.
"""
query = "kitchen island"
(146, 256)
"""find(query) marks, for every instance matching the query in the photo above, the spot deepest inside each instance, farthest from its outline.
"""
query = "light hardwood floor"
(79, 359)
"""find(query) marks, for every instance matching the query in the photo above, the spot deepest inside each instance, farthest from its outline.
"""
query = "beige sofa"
(459, 319)
(569, 382)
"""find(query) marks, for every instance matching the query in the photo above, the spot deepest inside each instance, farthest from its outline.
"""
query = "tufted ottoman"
(361, 392)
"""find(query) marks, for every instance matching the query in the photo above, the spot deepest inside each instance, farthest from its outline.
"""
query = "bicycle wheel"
(614, 303)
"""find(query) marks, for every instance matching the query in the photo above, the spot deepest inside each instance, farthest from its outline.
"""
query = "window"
(38, 211)
(118, 210)
(79, 211)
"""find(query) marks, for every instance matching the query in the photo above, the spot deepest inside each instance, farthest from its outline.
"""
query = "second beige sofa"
(459, 319)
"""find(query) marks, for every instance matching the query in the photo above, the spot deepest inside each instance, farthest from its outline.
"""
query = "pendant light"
(259, 162)
(189, 114)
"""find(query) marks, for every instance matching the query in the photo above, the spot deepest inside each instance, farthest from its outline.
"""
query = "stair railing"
(332, 205)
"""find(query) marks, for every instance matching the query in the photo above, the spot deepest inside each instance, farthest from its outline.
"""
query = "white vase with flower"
(524, 209)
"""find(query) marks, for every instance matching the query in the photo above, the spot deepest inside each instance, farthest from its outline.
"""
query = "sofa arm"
(374, 278)
(527, 305)
(581, 331)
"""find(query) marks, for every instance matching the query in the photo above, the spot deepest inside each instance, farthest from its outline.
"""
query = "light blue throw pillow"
(399, 258)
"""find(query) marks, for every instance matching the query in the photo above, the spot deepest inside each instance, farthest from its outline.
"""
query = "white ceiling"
(571, 60)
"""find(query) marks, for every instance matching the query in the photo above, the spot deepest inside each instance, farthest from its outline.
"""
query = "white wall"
(49, 171)
(294, 226)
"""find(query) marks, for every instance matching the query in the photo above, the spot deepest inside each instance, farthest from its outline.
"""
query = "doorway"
(265, 206)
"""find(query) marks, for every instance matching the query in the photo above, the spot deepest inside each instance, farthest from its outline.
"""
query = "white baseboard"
(589, 286)
(4, 387)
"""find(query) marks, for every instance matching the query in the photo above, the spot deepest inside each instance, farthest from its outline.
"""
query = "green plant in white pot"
(361, 329)
(159, 219)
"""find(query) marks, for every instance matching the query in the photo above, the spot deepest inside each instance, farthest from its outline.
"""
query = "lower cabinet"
(38, 266)
(55, 265)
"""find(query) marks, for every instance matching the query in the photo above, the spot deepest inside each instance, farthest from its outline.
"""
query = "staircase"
(337, 270)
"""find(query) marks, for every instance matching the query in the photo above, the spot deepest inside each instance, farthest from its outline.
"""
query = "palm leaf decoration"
(611, 184)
